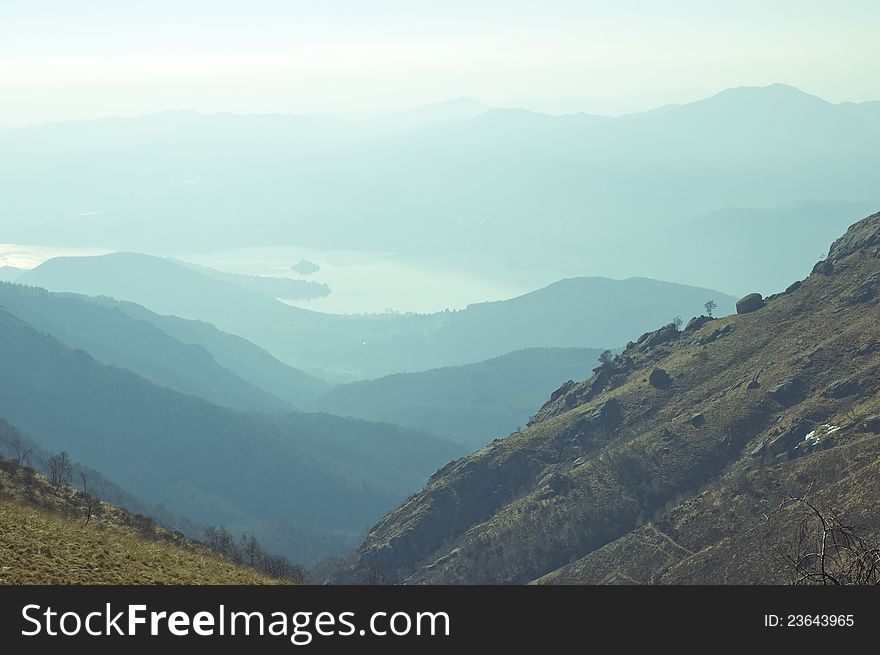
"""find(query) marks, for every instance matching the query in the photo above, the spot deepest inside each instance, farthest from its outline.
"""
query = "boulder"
(794, 286)
(872, 424)
(750, 303)
(659, 379)
(825, 267)
(789, 392)
(841, 388)
(698, 419)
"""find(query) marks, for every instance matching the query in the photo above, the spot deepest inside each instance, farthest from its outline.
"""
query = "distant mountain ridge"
(578, 312)
(584, 190)
(115, 338)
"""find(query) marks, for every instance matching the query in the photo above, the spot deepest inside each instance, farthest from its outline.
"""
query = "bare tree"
(20, 449)
(88, 496)
(377, 574)
(247, 550)
(606, 357)
(828, 551)
(710, 307)
(251, 550)
(677, 322)
(60, 468)
(222, 541)
(281, 568)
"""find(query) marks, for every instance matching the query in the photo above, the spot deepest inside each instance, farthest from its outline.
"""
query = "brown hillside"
(671, 475)
(45, 539)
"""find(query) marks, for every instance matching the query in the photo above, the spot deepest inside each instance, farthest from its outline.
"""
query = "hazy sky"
(63, 59)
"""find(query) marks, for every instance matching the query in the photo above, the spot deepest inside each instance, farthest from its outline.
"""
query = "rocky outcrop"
(714, 335)
(658, 337)
(860, 236)
(697, 322)
(605, 416)
(866, 291)
(554, 483)
(789, 438)
(561, 391)
(841, 388)
(789, 392)
(824, 267)
(750, 303)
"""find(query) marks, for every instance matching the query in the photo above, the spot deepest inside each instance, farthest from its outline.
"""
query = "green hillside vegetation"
(471, 404)
(212, 464)
(676, 462)
(576, 312)
(53, 534)
(113, 337)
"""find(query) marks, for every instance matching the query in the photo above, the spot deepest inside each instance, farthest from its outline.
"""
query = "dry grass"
(45, 538)
(40, 547)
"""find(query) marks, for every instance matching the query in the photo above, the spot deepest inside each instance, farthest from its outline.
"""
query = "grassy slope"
(44, 539)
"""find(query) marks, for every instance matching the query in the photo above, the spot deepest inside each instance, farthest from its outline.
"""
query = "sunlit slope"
(665, 465)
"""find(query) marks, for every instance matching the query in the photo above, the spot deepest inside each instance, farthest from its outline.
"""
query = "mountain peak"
(779, 94)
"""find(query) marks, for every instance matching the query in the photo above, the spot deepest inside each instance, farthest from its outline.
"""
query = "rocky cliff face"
(665, 464)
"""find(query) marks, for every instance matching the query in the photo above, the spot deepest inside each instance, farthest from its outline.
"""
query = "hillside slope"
(212, 464)
(244, 358)
(113, 337)
(472, 403)
(669, 464)
(50, 534)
